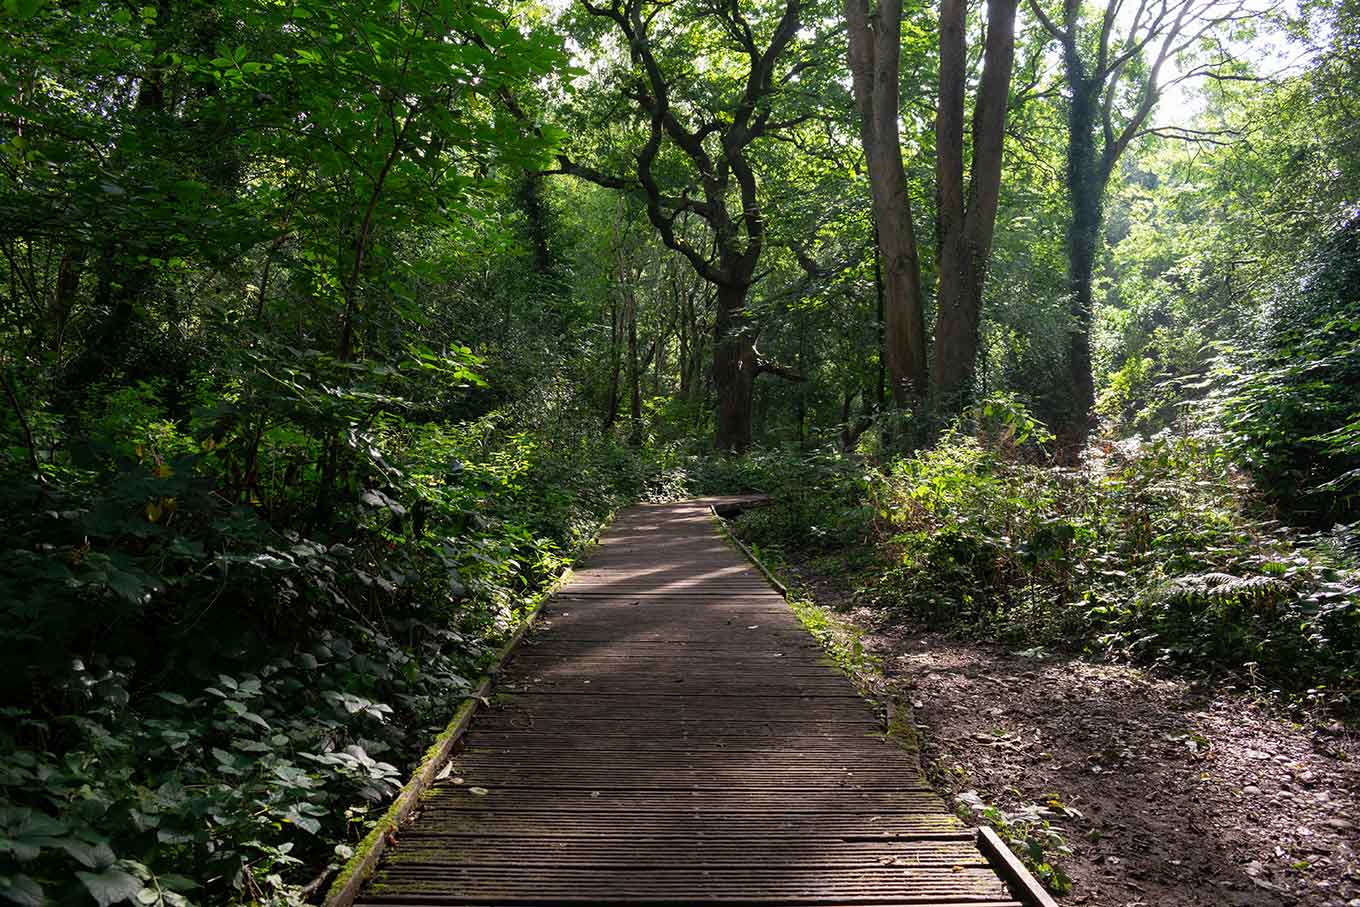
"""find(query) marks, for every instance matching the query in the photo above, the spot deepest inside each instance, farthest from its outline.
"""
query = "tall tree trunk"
(659, 362)
(801, 404)
(966, 217)
(686, 329)
(698, 383)
(734, 371)
(1087, 175)
(63, 297)
(612, 408)
(874, 58)
(634, 375)
(881, 382)
(1113, 74)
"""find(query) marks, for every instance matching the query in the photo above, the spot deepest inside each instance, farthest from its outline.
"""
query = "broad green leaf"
(112, 886)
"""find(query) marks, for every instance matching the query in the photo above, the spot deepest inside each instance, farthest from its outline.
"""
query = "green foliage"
(1293, 407)
(1231, 290)
(262, 519)
(242, 694)
(1156, 552)
(1029, 833)
(312, 377)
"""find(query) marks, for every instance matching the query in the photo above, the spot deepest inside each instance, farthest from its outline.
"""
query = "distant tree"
(1116, 68)
(875, 49)
(695, 157)
(965, 212)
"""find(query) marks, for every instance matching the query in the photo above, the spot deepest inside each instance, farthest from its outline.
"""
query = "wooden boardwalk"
(671, 735)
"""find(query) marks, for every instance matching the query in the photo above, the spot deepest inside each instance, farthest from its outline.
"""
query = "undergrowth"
(209, 695)
(1154, 552)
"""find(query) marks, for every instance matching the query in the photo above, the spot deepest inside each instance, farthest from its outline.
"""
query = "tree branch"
(1047, 23)
(1185, 134)
(770, 367)
(24, 426)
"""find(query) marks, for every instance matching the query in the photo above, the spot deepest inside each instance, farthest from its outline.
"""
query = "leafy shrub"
(1158, 551)
(1291, 408)
(1029, 833)
(210, 691)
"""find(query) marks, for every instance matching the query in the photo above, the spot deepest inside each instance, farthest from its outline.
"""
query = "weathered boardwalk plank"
(670, 735)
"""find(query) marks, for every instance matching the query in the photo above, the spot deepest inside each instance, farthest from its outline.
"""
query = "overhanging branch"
(770, 367)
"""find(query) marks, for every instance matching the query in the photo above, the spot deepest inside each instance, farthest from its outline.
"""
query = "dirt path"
(1183, 794)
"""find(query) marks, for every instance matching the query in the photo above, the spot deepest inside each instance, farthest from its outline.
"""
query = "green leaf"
(22, 890)
(256, 720)
(91, 856)
(23, 9)
(111, 886)
(304, 822)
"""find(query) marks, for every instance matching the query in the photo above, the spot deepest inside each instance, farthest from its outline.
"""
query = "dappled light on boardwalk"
(671, 734)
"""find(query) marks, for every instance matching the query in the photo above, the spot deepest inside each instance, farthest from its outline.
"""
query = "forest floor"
(1188, 794)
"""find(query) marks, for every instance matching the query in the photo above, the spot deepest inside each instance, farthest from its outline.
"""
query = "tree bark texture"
(966, 215)
(1087, 176)
(875, 46)
(612, 406)
(634, 371)
(734, 371)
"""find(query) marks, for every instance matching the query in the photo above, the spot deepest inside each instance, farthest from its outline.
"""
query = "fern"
(1221, 589)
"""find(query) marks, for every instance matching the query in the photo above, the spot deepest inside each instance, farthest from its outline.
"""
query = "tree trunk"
(611, 414)
(801, 404)
(634, 374)
(1087, 174)
(63, 297)
(698, 383)
(874, 58)
(686, 328)
(659, 361)
(967, 217)
(734, 371)
(1082, 244)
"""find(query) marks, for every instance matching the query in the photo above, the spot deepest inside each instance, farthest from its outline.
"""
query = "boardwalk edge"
(999, 856)
(750, 555)
(359, 868)
(1022, 884)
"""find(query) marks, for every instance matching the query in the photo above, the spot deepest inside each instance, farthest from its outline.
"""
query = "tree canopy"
(330, 332)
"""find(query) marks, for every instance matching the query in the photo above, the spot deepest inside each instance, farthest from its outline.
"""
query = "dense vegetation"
(330, 332)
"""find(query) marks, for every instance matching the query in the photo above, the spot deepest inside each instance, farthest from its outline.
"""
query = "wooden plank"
(671, 735)
(1008, 866)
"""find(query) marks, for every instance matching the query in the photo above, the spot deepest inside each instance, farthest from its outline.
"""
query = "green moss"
(355, 864)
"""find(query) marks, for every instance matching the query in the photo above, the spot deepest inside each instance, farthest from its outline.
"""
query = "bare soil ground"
(1188, 794)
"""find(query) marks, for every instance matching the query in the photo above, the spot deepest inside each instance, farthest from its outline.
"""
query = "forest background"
(331, 332)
